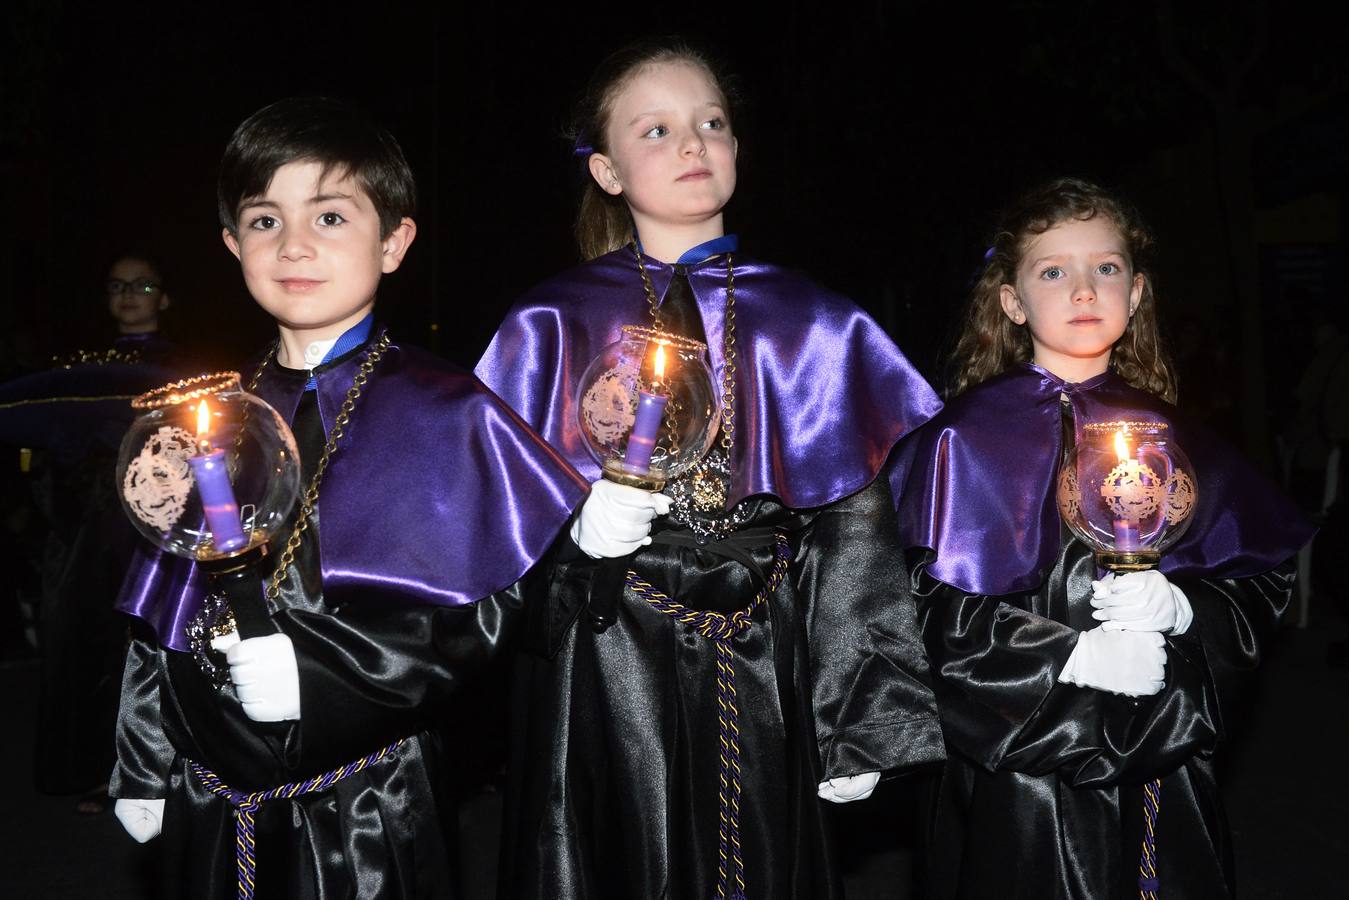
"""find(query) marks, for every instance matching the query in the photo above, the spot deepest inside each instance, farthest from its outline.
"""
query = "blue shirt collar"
(352, 338)
(727, 243)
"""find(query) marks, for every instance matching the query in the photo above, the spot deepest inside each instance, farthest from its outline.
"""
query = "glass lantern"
(207, 470)
(647, 407)
(1127, 491)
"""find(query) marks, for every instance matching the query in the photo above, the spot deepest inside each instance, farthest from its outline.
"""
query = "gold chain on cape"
(311, 496)
(727, 346)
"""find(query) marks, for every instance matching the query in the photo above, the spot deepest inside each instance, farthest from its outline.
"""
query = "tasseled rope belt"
(1147, 862)
(245, 805)
(722, 629)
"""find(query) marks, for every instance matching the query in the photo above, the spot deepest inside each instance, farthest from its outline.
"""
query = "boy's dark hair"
(322, 130)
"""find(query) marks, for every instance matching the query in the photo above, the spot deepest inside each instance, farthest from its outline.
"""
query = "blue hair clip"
(582, 148)
(988, 254)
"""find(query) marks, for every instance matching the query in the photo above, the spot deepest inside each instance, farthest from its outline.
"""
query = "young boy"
(417, 518)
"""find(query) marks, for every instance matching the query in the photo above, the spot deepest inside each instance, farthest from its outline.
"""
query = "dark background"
(878, 141)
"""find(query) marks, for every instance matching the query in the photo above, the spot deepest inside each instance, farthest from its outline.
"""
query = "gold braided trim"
(187, 390)
(15, 404)
(1106, 427)
(97, 358)
(665, 338)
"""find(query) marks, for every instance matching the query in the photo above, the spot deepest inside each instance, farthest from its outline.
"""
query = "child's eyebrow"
(324, 198)
(650, 112)
(710, 104)
(254, 204)
(1096, 254)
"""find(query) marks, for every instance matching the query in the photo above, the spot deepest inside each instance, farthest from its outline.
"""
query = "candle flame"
(203, 419)
(660, 362)
(1121, 446)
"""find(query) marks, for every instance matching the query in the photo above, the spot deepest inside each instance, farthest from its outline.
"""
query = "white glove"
(222, 643)
(847, 788)
(266, 677)
(142, 819)
(1140, 601)
(616, 519)
(1131, 663)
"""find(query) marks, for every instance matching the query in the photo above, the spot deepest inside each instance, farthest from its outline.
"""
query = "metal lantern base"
(647, 481)
(1128, 560)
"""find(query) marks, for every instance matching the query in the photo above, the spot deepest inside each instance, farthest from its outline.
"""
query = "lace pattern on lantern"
(158, 481)
(1180, 496)
(1133, 490)
(1070, 494)
(609, 407)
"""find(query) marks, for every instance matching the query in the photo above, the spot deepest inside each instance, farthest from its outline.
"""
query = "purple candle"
(1126, 534)
(217, 495)
(1126, 530)
(646, 426)
(645, 429)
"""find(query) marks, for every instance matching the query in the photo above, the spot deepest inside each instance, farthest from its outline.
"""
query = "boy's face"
(311, 250)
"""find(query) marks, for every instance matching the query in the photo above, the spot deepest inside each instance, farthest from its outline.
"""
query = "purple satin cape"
(981, 482)
(822, 393)
(436, 494)
(70, 410)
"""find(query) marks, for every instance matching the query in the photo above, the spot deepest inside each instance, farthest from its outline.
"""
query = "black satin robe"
(369, 674)
(615, 752)
(1041, 796)
(76, 416)
(82, 638)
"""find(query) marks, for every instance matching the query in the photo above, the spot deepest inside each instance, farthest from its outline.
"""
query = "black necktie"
(309, 437)
(679, 310)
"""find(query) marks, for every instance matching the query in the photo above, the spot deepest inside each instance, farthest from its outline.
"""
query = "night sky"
(877, 143)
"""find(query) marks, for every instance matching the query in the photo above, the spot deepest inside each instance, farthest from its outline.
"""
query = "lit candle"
(646, 426)
(213, 484)
(1126, 529)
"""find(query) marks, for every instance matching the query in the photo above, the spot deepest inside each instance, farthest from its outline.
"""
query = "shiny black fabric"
(1042, 794)
(75, 416)
(615, 751)
(370, 673)
(82, 639)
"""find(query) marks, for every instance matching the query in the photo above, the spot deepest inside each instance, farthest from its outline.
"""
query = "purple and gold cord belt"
(722, 629)
(245, 805)
(1148, 882)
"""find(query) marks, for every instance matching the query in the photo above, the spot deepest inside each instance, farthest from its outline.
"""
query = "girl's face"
(671, 152)
(1075, 290)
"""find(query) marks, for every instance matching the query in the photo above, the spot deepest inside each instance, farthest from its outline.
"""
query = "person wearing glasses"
(71, 418)
(136, 298)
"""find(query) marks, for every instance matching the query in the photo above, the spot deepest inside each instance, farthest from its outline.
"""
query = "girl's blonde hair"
(603, 223)
(990, 342)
